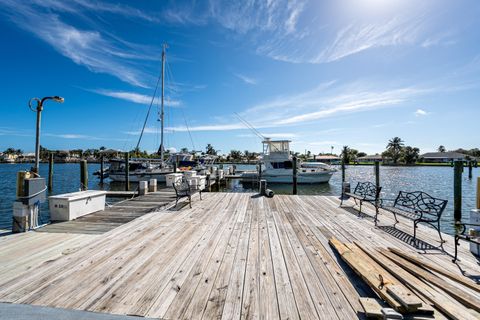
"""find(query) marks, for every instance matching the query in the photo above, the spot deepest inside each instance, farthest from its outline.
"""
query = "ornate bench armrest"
(464, 226)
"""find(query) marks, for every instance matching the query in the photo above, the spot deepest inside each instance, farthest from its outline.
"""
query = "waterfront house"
(8, 157)
(327, 158)
(26, 157)
(370, 158)
(444, 157)
(64, 156)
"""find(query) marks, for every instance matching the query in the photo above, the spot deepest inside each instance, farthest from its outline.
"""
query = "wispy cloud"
(321, 102)
(246, 79)
(136, 97)
(75, 136)
(99, 52)
(420, 113)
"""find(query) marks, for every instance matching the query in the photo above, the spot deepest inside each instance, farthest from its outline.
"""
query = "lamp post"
(38, 109)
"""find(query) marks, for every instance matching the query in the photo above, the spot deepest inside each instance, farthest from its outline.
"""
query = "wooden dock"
(231, 256)
(114, 215)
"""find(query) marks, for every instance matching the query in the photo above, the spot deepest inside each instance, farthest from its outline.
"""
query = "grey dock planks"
(230, 256)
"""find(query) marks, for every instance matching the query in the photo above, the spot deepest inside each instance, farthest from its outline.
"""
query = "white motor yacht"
(277, 166)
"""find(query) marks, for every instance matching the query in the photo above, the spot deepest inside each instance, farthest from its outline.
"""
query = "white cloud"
(246, 79)
(99, 52)
(136, 97)
(420, 113)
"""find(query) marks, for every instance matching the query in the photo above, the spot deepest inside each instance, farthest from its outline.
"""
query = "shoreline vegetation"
(395, 154)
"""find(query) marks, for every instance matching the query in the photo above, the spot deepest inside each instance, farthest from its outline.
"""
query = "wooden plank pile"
(410, 284)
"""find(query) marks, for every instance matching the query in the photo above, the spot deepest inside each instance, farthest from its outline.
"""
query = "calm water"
(437, 181)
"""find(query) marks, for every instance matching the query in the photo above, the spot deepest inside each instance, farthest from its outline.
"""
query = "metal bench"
(417, 206)
(465, 236)
(364, 192)
(184, 190)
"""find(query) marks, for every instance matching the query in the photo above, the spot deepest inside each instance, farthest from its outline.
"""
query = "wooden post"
(377, 174)
(343, 171)
(294, 174)
(457, 190)
(50, 172)
(83, 175)
(259, 172)
(102, 164)
(478, 193)
(470, 169)
(377, 182)
(127, 171)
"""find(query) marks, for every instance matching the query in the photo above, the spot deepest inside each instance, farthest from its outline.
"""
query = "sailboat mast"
(162, 113)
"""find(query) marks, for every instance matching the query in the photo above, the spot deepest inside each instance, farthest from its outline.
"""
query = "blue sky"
(321, 73)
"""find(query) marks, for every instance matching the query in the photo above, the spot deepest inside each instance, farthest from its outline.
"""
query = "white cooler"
(69, 206)
(197, 182)
(190, 173)
(475, 219)
(172, 178)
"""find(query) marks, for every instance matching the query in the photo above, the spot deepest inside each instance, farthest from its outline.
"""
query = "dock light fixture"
(38, 109)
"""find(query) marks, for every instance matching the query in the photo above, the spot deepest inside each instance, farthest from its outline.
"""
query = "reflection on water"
(437, 181)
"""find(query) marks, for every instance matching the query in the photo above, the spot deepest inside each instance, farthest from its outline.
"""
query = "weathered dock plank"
(232, 255)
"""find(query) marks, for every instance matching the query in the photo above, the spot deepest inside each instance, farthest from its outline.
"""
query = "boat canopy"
(276, 146)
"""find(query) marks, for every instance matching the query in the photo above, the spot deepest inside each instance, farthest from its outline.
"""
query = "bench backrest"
(367, 190)
(181, 187)
(420, 202)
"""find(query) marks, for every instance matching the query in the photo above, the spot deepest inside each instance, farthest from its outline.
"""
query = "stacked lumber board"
(410, 284)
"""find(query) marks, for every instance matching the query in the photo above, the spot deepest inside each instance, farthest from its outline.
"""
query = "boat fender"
(269, 193)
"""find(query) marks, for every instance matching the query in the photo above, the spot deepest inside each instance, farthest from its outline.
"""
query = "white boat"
(277, 166)
(146, 169)
(139, 170)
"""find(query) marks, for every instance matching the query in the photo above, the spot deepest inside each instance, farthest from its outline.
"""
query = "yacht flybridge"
(277, 166)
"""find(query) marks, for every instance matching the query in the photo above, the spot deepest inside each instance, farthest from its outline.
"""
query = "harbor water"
(436, 181)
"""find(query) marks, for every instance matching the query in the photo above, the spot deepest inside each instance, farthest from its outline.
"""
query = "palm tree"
(441, 149)
(394, 147)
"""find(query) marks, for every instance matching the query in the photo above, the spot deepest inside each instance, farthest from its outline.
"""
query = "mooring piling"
(294, 174)
(50, 172)
(102, 163)
(83, 175)
(127, 171)
(470, 169)
(478, 193)
(377, 182)
(457, 190)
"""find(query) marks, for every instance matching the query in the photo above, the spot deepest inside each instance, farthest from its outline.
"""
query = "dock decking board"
(233, 255)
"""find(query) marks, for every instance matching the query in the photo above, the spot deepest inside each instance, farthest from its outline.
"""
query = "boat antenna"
(261, 136)
(148, 113)
(188, 129)
(162, 113)
(248, 125)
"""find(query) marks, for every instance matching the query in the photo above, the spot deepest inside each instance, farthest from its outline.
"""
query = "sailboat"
(146, 169)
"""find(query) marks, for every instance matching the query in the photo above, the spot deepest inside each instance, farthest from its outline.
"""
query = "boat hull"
(137, 177)
(287, 178)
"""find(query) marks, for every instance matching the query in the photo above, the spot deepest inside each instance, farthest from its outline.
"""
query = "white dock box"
(69, 206)
(197, 182)
(190, 173)
(173, 178)
(475, 219)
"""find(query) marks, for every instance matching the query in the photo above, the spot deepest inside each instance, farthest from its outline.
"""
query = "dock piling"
(152, 185)
(470, 169)
(294, 174)
(127, 171)
(50, 172)
(142, 188)
(102, 164)
(457, 190)
(377, 181)
(83, 175)
(478, 193)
